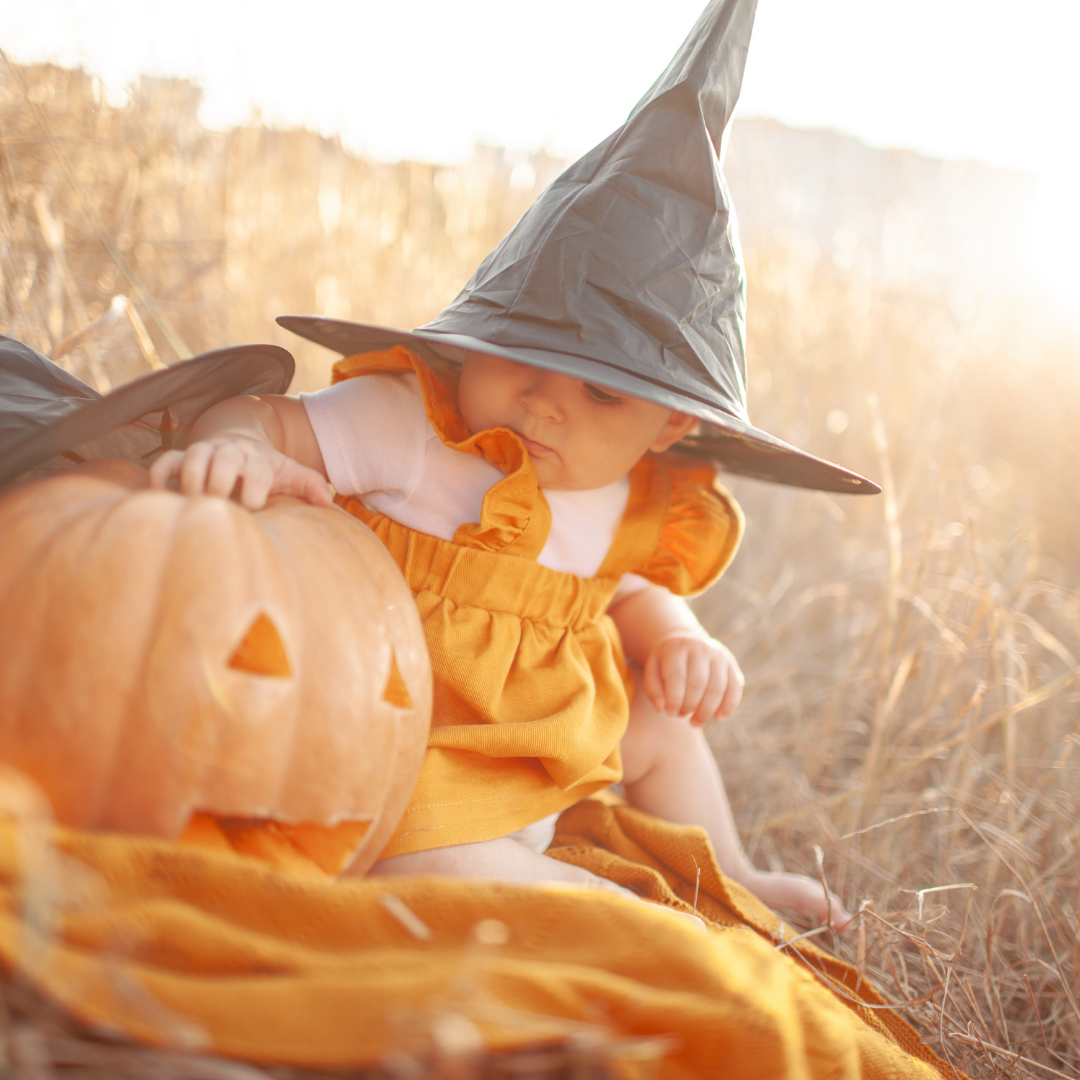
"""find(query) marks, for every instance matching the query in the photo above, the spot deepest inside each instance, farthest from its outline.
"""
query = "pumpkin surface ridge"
(254, 573)
(374, 830)
(277, 545)
(12, 576)
(62, 506)
(134, 701)
(315, 541)
(58, 545)
(150, 731)
(47, 548)
(13, 599)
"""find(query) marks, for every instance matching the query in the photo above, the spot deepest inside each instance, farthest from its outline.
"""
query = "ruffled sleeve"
(681, 529)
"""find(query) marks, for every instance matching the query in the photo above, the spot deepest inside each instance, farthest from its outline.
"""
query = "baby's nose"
(543, 396)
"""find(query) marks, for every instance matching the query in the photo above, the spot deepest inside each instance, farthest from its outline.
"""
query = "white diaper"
(538, 835)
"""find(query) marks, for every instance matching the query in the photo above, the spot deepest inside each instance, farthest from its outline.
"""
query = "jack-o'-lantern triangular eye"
(395, 693)
(262, 652)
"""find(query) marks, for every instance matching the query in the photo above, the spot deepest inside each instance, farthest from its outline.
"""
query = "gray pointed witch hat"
(627, 272)
(50, 420)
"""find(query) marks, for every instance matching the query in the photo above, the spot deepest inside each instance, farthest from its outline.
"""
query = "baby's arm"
(266, 445)
(686, 672)
(668, 768)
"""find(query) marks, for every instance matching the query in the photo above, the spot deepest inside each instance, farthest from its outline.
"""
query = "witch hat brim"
(729, 441)
(51, 420)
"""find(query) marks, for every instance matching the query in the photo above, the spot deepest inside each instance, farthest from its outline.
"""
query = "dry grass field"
(910, 728)
(911, 708)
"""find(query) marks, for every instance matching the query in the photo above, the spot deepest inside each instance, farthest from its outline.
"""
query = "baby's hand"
(218, 464)
(688, 674)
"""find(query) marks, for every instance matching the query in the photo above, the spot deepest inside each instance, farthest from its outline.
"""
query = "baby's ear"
(679, 425)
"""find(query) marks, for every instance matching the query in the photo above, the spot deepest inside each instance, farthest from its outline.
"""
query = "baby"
(413, 455)
(533, 461)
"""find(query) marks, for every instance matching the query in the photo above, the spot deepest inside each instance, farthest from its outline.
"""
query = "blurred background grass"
(910, 723)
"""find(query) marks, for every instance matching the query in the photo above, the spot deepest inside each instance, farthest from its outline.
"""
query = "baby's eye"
(601, 396)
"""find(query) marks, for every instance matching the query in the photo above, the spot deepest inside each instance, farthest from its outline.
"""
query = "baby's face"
(579, 435)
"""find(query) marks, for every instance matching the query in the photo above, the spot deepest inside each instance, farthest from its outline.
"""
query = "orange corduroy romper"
(531, 687)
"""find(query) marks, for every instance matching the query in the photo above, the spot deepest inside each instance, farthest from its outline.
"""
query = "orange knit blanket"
(179, 944)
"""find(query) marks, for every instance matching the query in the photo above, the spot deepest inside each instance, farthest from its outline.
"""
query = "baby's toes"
(815, 906)
(803, 895)
(839, 917)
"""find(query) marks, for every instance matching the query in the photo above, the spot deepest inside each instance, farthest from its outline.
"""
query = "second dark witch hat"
(50, 420)
(627, 271)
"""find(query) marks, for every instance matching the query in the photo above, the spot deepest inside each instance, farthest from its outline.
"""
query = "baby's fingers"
(673, 673)
(653, 684)
(698, 674)
(166, 468)
(732, 694)
(226, 467)
(303, 483)
(712, 697)
(194, 468)
(257, 481)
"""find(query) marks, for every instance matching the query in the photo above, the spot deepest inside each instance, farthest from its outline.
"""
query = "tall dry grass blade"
(1019, 1059)
(1044, 638)
(924, 609)
(893, 820)
(86, 333)
(921, 894)
(941, 1018)
(1035, 1009)
(878, 730)
(146, 344)
(1013, 691)
(892, 512)
(1066, 984)
(1030, 701)
(53, 231)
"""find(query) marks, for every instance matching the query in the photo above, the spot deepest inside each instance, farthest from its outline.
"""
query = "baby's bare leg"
(669, 771)
(504, 860)
(509, 861)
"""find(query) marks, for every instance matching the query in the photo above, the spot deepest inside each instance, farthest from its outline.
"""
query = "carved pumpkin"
(163, 655)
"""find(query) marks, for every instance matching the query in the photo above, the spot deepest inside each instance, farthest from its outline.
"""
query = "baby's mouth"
(535, 449)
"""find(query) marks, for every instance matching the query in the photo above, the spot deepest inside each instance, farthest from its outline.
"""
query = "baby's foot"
(800, 894)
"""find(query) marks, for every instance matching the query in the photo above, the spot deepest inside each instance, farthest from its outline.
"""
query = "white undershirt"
(378, 445)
